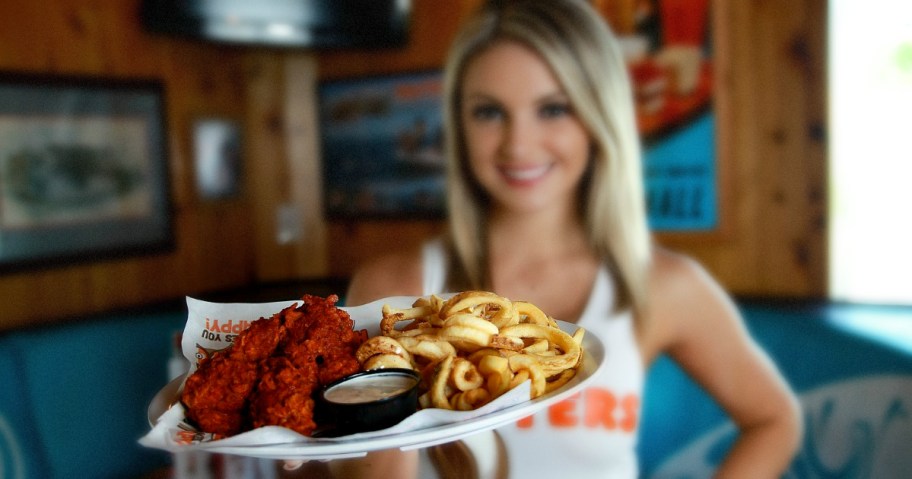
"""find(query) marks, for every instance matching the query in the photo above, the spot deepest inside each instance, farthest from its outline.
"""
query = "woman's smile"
(526, 175)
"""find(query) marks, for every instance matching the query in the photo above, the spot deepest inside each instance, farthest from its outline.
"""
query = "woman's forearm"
(764, 450)
(386, 464)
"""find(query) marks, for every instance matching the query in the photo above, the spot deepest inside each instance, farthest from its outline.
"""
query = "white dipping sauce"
(369, 388)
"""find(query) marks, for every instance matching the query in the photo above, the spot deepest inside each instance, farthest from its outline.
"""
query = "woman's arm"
(699, 326)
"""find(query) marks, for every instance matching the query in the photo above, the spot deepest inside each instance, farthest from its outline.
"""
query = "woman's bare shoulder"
(684, 297)
(674, 272)
(393, 274)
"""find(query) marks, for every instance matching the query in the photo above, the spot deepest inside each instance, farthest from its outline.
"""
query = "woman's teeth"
(526, 174)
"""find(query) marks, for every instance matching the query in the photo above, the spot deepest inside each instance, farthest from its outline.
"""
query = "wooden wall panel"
(286, 174)
(265, 132)
(213, 243)
(772, 88)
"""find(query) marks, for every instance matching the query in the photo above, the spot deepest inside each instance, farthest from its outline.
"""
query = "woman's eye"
(486, 112)
(554, 110)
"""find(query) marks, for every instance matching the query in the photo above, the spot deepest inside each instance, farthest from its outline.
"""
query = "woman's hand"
(385, 464)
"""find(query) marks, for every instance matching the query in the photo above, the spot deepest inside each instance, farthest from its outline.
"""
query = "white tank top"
(591, 435)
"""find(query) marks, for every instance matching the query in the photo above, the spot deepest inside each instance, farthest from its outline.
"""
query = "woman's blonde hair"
(584, 55)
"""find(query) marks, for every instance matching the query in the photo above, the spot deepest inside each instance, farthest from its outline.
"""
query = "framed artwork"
(217, 158)
(668, 47)
(382, 147)
(83, 170)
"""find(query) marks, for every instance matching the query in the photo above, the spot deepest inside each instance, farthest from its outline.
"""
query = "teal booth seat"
(22, 454)
(850, 365)
(73, 396)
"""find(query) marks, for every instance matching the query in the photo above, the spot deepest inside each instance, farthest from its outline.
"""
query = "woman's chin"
(525, 204)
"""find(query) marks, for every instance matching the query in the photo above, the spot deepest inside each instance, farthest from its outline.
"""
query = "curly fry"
(469, 400)
(538, 346)
(465, 376)
(523, 362)
(578, 336)
(386, 361)
(407, 313)
(558, 380)
(497, 309)
(467, 332)
(496, 370)
(433, 301)
(439, 389)
(578, 339)
(419, 311)
(506, 343)
(552, 364)
(518, 378)
(421, 302)
(428, 349)
(530, 313)
(388, 324)
(381, 345)
(475, 356)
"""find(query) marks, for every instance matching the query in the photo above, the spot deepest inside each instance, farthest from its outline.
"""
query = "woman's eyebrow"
(558, 95)
(480, 96)
(545, 98)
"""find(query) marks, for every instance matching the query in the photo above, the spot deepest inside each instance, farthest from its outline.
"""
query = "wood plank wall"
(772, 142)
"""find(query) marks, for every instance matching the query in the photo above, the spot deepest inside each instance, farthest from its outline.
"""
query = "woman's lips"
(524, 175)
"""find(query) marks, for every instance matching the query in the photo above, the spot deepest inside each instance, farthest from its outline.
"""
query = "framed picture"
(668, 46)
(382, 147)
(83, 170)
(217, 158)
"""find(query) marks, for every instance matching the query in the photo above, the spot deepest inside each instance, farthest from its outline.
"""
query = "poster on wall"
(83, 170)
(668, 48)
(382, 147)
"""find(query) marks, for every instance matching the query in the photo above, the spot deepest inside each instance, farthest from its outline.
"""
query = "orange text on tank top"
(593, 408)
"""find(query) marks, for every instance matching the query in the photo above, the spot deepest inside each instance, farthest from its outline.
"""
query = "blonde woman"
(546, 205)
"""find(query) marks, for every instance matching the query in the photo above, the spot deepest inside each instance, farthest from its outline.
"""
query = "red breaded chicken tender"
(330, 339)
(260, 340)
(284, 396)
(215, 396)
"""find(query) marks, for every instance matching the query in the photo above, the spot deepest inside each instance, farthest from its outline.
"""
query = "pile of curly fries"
(473, 347)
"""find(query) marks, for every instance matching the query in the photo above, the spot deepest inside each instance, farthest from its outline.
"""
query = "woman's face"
(525, 145)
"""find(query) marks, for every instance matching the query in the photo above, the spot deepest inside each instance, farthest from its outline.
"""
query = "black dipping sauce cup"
(367, 401)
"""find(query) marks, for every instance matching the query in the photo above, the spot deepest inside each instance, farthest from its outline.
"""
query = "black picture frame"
(382, 147)
(84, 172)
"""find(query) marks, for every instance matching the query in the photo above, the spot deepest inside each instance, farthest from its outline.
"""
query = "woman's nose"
(519, 136)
